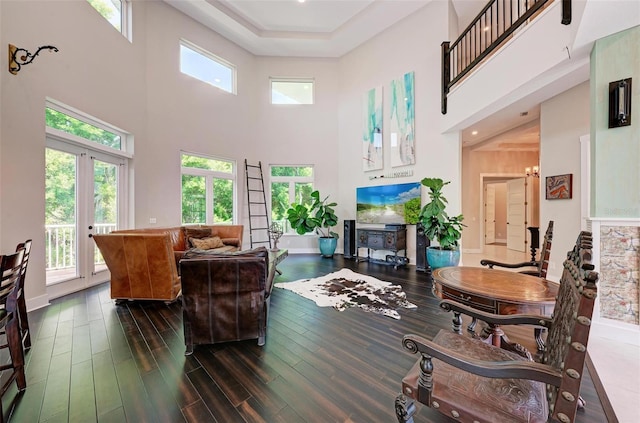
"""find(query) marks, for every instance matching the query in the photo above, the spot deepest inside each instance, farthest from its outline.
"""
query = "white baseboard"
(37, 302)
(616, 331)
(304, 251)
(472, 250)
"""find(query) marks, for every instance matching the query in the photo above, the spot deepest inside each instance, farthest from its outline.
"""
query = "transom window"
(207, 67)
(208, 190)
(116, 12)
(291, 91)
(289, 184)
(83, 129)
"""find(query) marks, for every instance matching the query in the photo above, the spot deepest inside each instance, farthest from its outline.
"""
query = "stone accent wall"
(619, 269)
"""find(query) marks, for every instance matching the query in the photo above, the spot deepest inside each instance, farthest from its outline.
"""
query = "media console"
(391, 238)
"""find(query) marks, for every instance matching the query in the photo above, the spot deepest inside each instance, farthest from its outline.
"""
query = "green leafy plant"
(438, 225)
(319, 217)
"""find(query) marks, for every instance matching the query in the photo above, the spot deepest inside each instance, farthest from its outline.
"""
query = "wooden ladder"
(257, 204)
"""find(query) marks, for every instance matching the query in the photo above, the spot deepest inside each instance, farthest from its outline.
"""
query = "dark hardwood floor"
(94, 361)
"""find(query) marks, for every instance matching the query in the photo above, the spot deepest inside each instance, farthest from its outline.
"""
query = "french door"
(84, 196)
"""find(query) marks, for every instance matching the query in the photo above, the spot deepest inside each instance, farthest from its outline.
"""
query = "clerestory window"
(116, 12)
(207, 67)
(292, 91)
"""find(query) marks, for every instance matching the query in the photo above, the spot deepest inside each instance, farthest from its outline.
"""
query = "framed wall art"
(372, 130)
(559, 187)
(402, 123)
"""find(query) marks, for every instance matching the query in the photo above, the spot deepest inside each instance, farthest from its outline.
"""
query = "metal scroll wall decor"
(19, 57)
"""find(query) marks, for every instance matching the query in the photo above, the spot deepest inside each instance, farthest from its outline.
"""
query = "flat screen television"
(389, 204)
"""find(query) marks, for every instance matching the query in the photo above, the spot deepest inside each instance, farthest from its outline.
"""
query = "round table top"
(497, 284)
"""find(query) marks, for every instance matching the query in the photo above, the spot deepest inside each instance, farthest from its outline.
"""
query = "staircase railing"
(497, 21)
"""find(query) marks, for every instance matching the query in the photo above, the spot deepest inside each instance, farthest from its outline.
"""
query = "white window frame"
(215, 58)
(209, 176)
(126, 139)
(126, 26)
(291, 180)
(293, 80)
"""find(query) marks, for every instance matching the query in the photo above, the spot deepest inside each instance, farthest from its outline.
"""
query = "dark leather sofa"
(225, 297)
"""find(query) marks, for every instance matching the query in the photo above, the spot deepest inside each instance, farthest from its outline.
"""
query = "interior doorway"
(509, 204)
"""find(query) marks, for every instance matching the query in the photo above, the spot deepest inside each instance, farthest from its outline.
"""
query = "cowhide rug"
(346, 288)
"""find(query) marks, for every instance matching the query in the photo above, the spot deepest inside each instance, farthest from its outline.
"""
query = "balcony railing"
(497, 21)
(61, 242)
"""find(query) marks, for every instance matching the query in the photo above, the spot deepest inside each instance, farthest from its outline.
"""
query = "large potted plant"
(441, 227)
(320, 217)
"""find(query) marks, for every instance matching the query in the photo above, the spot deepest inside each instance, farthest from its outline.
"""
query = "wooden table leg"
(495, 336)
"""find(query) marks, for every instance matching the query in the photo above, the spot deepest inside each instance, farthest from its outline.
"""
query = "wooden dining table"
(496, 291)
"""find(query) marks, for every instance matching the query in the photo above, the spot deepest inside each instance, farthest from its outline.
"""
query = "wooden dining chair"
(471, 381)
(540, 265)
(10, 273)
(23, 320)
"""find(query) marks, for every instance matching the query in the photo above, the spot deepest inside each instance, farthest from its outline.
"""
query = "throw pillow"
(199, 233)
(207, 243)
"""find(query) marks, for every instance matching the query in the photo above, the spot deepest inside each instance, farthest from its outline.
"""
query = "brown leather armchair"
(225, 297)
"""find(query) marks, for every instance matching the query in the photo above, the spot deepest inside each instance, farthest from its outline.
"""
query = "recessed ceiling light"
(474, 132)
(300, 1)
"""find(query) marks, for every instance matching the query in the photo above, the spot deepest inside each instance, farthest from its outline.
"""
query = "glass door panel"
(83, 188)
(194, 203)
(105, 205)
(61, 223)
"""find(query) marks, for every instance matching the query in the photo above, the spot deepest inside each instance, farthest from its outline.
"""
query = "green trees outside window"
(289, 184)
(207, 190)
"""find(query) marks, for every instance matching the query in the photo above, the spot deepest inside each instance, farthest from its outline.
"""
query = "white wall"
(396, 51)
(489, 163)
(563, 119)
(139, 88)
(84, 74)
(287, 134)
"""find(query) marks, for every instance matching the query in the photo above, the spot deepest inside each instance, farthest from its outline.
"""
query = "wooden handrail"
(495, 23)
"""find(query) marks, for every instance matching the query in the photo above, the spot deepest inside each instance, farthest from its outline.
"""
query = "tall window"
(86, 168)
(289, 184)
(207, 67)
(116, 12)
(291, 91)
(208, 190)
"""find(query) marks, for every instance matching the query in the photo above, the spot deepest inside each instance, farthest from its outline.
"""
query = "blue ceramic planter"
(442, 258)
(327, 246)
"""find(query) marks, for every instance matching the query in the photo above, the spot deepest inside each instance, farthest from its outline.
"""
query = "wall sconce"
(620, 103)
(19, 57)
(535, 172)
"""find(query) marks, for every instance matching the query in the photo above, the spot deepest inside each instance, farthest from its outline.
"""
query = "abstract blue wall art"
(402, 125)
(372, 154)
